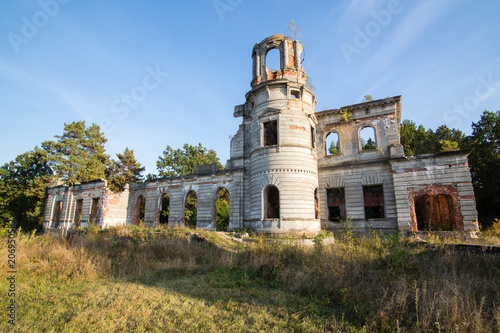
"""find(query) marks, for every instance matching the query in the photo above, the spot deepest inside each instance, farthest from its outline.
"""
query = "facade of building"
(292, 169)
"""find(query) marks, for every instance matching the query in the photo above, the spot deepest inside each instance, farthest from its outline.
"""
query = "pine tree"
(125, 170)
(79, 154)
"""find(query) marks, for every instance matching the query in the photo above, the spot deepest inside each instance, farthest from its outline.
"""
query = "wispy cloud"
(411, 27)
(56, 90)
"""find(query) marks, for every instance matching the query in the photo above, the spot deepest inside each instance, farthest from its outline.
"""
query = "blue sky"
(185, 65)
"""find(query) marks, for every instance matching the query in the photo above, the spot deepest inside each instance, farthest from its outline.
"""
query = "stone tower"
(275, 143)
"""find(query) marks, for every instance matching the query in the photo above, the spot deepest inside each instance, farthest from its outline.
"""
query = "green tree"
(418, 140)
(367, 98)
(191, 209)
(369, 144)
(179, 162)
(222, 208)
(124, 171)
(79, 154)
(23, 184)
(334, 148)
(484, 162)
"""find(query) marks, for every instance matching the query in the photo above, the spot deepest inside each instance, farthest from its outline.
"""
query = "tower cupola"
(289, 58)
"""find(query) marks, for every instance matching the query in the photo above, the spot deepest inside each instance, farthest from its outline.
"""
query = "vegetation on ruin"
(166, 280)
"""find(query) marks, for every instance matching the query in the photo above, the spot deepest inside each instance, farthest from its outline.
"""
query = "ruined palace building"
(292, 169)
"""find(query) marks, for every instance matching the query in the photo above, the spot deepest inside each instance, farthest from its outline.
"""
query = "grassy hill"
(169, 280)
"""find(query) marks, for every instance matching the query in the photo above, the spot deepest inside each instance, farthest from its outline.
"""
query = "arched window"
(139, 211)
(273, 62)
(221, 210)
(367, 138)
(191, 209)
(332, 144)
(164, 209)
(272, 202)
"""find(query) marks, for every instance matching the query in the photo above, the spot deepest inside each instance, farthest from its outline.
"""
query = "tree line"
(79, 155)
(76, 156)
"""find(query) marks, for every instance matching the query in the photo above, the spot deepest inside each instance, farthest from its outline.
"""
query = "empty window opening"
(332, 144)
(165, 209)
(273, 61)
(57, 213)
(373, 196)
(191, 210)
(316, 204)
(272, 203)
(94, 212)
(139, 211)
(367, 137)
(295, 94)
(434, 212)
(313, 137)
(221, 210)
(271, 133)
(335, 198)
(78, 212)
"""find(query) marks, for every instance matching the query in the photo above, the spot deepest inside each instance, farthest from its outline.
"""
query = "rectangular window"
(94, 216)
(313, 137)
(78, 212)
(373, 196)
(57, 213)
(271, 133)
(336, 204)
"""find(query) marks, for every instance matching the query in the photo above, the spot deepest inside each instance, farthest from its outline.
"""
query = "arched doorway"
(191, 210)
(164, 209)
(139, 211)
(221, 209)
(272, 202)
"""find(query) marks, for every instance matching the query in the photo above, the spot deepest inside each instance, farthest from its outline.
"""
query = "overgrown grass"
(166, 280)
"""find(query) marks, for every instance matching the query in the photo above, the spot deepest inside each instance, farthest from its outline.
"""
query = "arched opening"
(139, 211)
(191, 209)
(273, 61)
(221, 210)
(164, 209)
(434, 213)
(332, 144)
(367, 138)
(272, 200)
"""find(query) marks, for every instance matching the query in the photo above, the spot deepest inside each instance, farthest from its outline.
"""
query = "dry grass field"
(138, 280)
